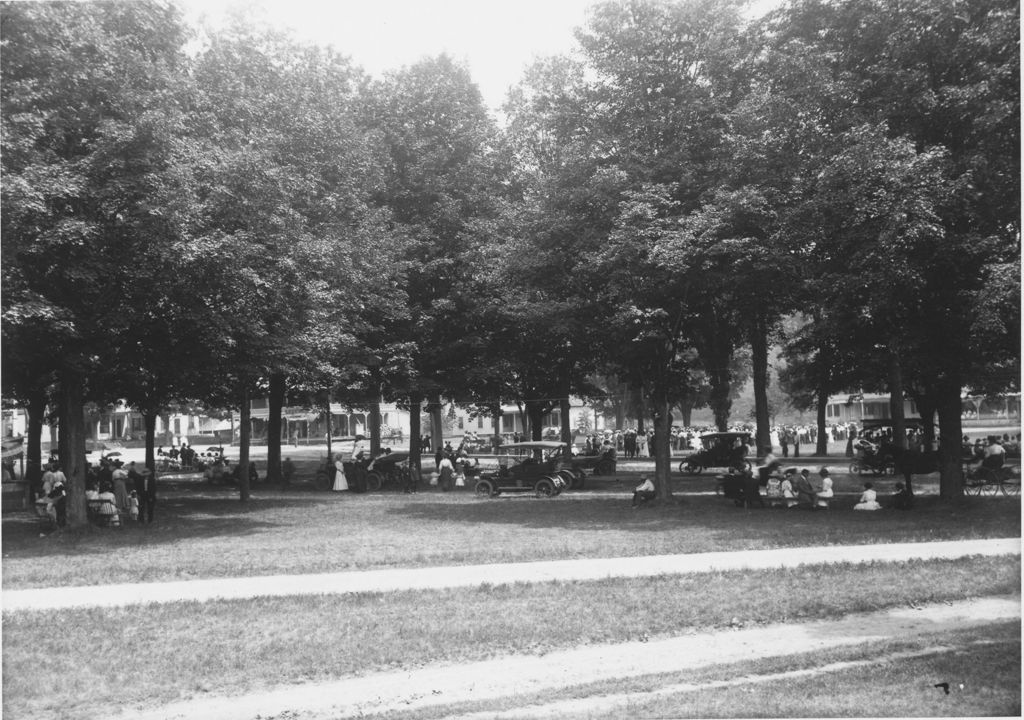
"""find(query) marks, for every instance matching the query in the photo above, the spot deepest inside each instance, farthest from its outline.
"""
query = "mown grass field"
(198, 649)
(204, 532)
(237, 646)
(884, 679)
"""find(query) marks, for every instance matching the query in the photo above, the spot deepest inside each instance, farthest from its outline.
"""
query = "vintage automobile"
(544, 468)
(603, 463)
(720, 449)
(390, 469)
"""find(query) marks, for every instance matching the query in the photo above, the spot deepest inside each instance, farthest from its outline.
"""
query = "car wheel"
(855, 468)
(484, 488)
(569, 478)
(374, 481)
(690, 468)
(545, 487)
(1011, 489)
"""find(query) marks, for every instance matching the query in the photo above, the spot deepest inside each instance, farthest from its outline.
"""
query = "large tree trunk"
(566, 423)
(535, 410)
(896, 410)
(686, 411)
(36, 411)
(275, 408)
(244, 431)
(759, 360)
(72, 446)
(821, 448)
(496, 417)
(415, 433)
(951, 484)
(375, 427)
(662, 445)
(436, 423)
(149, 420)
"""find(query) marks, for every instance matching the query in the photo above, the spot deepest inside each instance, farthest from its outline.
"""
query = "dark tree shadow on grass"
(973, 517)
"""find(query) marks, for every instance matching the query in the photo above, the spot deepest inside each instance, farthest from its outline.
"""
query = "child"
(868, 499)
(133, 506)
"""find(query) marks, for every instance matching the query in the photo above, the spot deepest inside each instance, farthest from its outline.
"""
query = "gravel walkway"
(520, 675)
(45, 599)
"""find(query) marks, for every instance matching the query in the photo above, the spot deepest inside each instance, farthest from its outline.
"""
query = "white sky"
(495, 39)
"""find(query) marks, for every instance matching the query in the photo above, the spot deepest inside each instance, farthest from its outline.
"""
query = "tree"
(85, 88)
(938, 83)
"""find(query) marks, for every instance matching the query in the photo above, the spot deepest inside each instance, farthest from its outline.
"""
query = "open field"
(204, 532)
(200, 648)
(233, 648)
(884, 679)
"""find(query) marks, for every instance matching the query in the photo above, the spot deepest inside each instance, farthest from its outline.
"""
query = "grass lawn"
(234, 646)
(203, 532)
(886, 679)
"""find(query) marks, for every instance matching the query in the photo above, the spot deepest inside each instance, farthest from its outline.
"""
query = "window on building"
(876, 410)
(480, 423)
(462, 423)
(508, 423)
(177, 426)
(832, 410)
(138, 424)
(105, 424)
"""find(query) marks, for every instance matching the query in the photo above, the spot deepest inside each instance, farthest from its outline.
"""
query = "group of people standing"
(131, 491)
(121, 492)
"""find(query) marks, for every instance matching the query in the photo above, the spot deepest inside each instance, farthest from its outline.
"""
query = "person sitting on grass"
(643, 492)
(868, 499)
(903, 499)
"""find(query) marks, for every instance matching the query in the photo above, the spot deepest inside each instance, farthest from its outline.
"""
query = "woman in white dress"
(340, 483)
(868, 499)
(826, 493)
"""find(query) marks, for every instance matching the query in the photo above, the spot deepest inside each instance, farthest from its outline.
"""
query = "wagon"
(542, 468)
(719, 450)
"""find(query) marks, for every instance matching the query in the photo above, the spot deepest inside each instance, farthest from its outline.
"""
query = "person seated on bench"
(788, 493)
(804, 490)
(774, 491)
(643, 492)
(825, 495)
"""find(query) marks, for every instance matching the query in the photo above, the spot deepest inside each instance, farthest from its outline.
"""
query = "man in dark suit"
(145, 488)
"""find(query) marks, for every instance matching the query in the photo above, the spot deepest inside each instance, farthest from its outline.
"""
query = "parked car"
(544, 468)
(721, 449)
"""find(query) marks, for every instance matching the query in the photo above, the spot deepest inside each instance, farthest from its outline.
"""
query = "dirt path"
(44, 599)
(522, 675)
